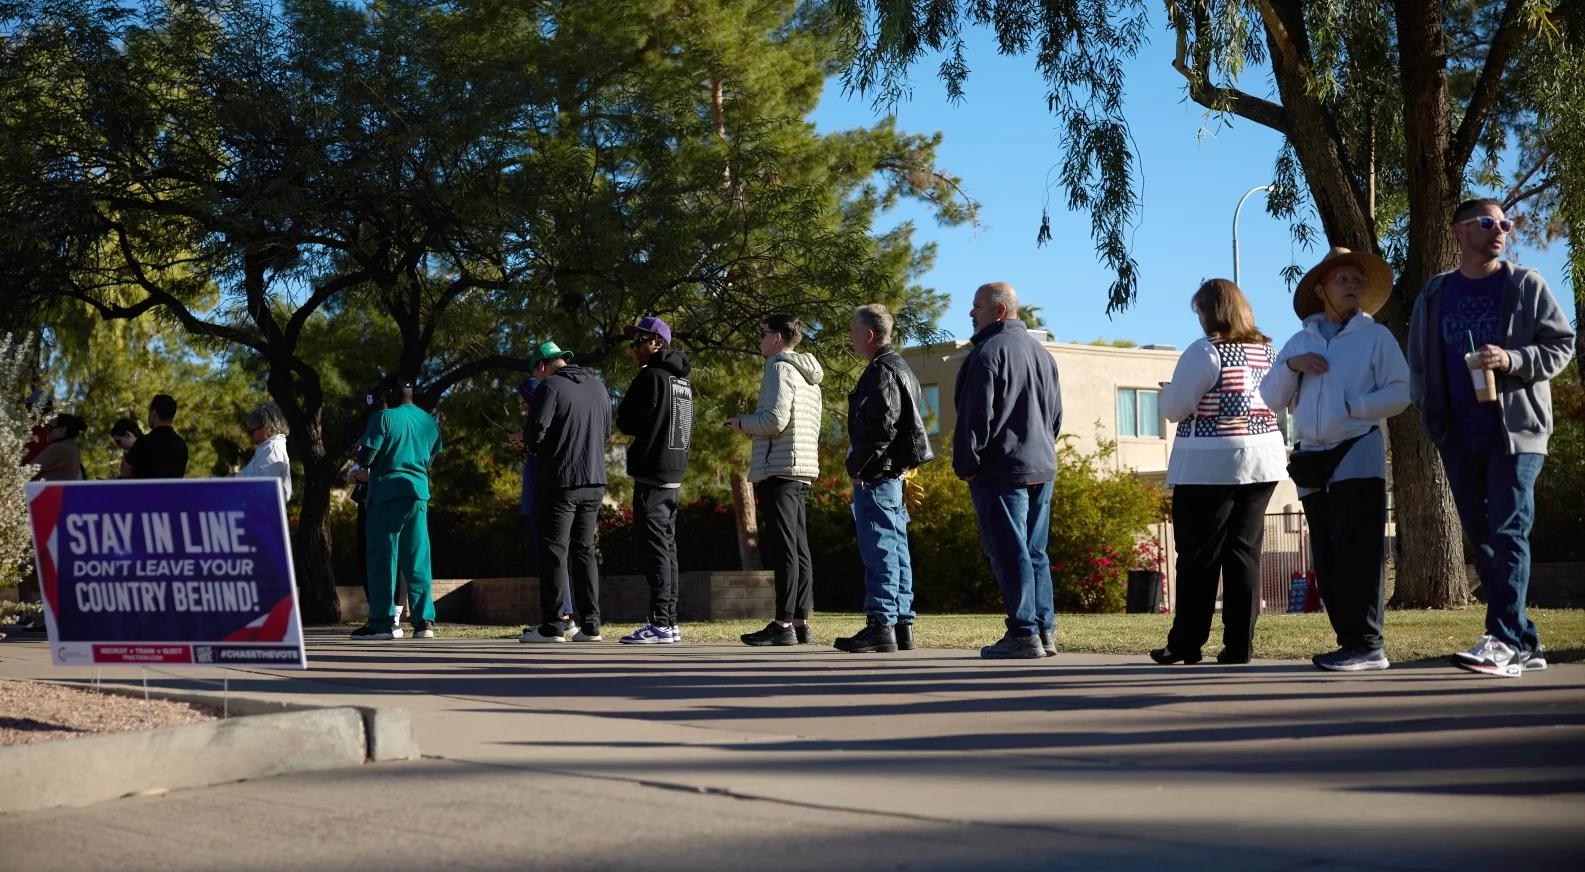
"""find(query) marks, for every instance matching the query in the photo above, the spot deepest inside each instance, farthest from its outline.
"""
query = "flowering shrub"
(16, 429)
(1098, 517)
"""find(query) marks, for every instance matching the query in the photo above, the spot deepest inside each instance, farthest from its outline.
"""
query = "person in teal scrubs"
(398, 446)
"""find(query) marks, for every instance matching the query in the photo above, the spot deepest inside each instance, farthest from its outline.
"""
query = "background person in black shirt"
(160, 453)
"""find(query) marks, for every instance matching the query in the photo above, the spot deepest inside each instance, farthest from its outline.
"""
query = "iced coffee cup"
(1484, 379)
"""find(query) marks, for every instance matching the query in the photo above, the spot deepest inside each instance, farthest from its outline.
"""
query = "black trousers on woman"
(1218, 531)
(1348, 529)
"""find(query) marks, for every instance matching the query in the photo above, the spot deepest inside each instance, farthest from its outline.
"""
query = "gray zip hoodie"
(1539, 342)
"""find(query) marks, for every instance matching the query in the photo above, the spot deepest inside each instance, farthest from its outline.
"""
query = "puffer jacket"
(786, 426)
(886, 430)
(1366, 380)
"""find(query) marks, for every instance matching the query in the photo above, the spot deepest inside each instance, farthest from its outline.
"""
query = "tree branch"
(1503, 42)
(1221, 99)
(464, 371)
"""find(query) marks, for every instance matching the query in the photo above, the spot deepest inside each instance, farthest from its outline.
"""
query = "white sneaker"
(1490, 657)
(1533, 661)
(581, 636)
(535, 637)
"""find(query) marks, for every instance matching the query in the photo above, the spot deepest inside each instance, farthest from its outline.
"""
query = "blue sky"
(1001, 141)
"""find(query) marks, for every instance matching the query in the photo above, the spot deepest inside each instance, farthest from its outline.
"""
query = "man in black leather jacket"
(887, 437)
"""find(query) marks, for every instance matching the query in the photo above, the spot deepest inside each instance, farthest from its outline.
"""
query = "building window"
(1138, 413)
(931, 397)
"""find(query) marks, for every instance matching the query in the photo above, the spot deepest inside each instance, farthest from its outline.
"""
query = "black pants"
(567, 519)
(784, 543)
(1348, 526)
(1218, 531)
(655, 514)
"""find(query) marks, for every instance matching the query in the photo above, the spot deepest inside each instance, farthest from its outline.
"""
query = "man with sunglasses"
(657, 411)
(1504, 316)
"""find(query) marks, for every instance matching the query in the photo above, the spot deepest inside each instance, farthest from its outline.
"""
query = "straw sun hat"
(1378, 282)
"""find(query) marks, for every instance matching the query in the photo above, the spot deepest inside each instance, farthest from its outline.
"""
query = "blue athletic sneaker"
(649, 634)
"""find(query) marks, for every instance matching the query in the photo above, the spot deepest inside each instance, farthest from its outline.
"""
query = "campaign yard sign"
(190, 572)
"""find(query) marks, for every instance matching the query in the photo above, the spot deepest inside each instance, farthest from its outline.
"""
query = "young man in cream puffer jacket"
(784, 462)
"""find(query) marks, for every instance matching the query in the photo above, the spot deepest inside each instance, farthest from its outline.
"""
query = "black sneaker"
(368, 633)
(873, 639)
(773, 634)
(905, 637)
(1231, 658)
(1015, 647)
(1048, 642)
(1167, 657)
(803, 634)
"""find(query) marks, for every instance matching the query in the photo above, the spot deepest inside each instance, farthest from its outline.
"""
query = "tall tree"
(459, 180)
(1390, 114)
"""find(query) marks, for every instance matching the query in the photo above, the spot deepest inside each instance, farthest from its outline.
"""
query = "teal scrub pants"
(398, 543)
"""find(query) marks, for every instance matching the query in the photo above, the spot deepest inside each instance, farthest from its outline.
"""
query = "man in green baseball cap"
(569, 423)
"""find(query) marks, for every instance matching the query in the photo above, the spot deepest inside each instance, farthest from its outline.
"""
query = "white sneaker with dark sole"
(1491, 657)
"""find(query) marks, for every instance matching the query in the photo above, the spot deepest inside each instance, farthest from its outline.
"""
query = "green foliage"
(1560, 491)
(1099, 514)
(17, 423)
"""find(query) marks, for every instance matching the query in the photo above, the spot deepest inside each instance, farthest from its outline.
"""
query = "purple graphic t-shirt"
(1471, 309)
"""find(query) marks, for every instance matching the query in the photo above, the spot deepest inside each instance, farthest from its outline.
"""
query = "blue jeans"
(881, 521)
(1015, 523)
(1495, 495)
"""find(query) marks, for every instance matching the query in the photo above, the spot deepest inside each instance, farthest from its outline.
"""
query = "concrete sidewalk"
(590, 756)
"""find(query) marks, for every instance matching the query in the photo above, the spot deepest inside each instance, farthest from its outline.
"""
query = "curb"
(272, 738)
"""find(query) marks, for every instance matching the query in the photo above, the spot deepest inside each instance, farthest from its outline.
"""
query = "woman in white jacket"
(267, 430)
(1340, 377)
(785, 461)
(1227, 458)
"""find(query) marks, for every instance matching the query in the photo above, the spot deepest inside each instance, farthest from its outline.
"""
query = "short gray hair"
(875, 317)
(1001, 294)
(269, 418)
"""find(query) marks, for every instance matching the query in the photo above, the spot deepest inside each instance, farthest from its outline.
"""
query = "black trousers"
(1348, 527)
(784, 543)
(566, 518)
(655, 514)
(1218, 531)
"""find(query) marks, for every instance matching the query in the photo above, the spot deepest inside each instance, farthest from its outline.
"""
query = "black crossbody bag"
(1313, 469)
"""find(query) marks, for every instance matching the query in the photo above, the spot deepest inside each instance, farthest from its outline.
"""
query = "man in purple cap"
(657, 411)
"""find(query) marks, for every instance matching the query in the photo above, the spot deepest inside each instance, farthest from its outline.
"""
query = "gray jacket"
(1539, 342)
(786, 426)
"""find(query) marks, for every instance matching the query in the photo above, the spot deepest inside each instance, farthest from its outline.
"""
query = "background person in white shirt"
(266, 427)
(1226, 461)
(1340, 376)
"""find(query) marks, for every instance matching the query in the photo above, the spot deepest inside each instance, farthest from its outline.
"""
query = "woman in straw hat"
(1226, 461)
(1340, 376)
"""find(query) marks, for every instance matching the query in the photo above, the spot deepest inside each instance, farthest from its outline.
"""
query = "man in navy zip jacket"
(1009, 412)
(568, 426)
(657, 411)
(1492, 452)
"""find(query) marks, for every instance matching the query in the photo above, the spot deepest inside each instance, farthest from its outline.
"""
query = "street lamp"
(1237, 210)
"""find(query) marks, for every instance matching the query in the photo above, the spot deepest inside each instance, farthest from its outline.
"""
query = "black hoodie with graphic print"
(657, 412)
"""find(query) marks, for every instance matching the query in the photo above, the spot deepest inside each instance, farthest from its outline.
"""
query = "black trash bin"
(1144, 591)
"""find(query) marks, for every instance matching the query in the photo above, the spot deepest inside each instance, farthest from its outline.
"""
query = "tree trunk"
(311, 546)
(747, 521)
(1431, 569)
(1430, 561)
